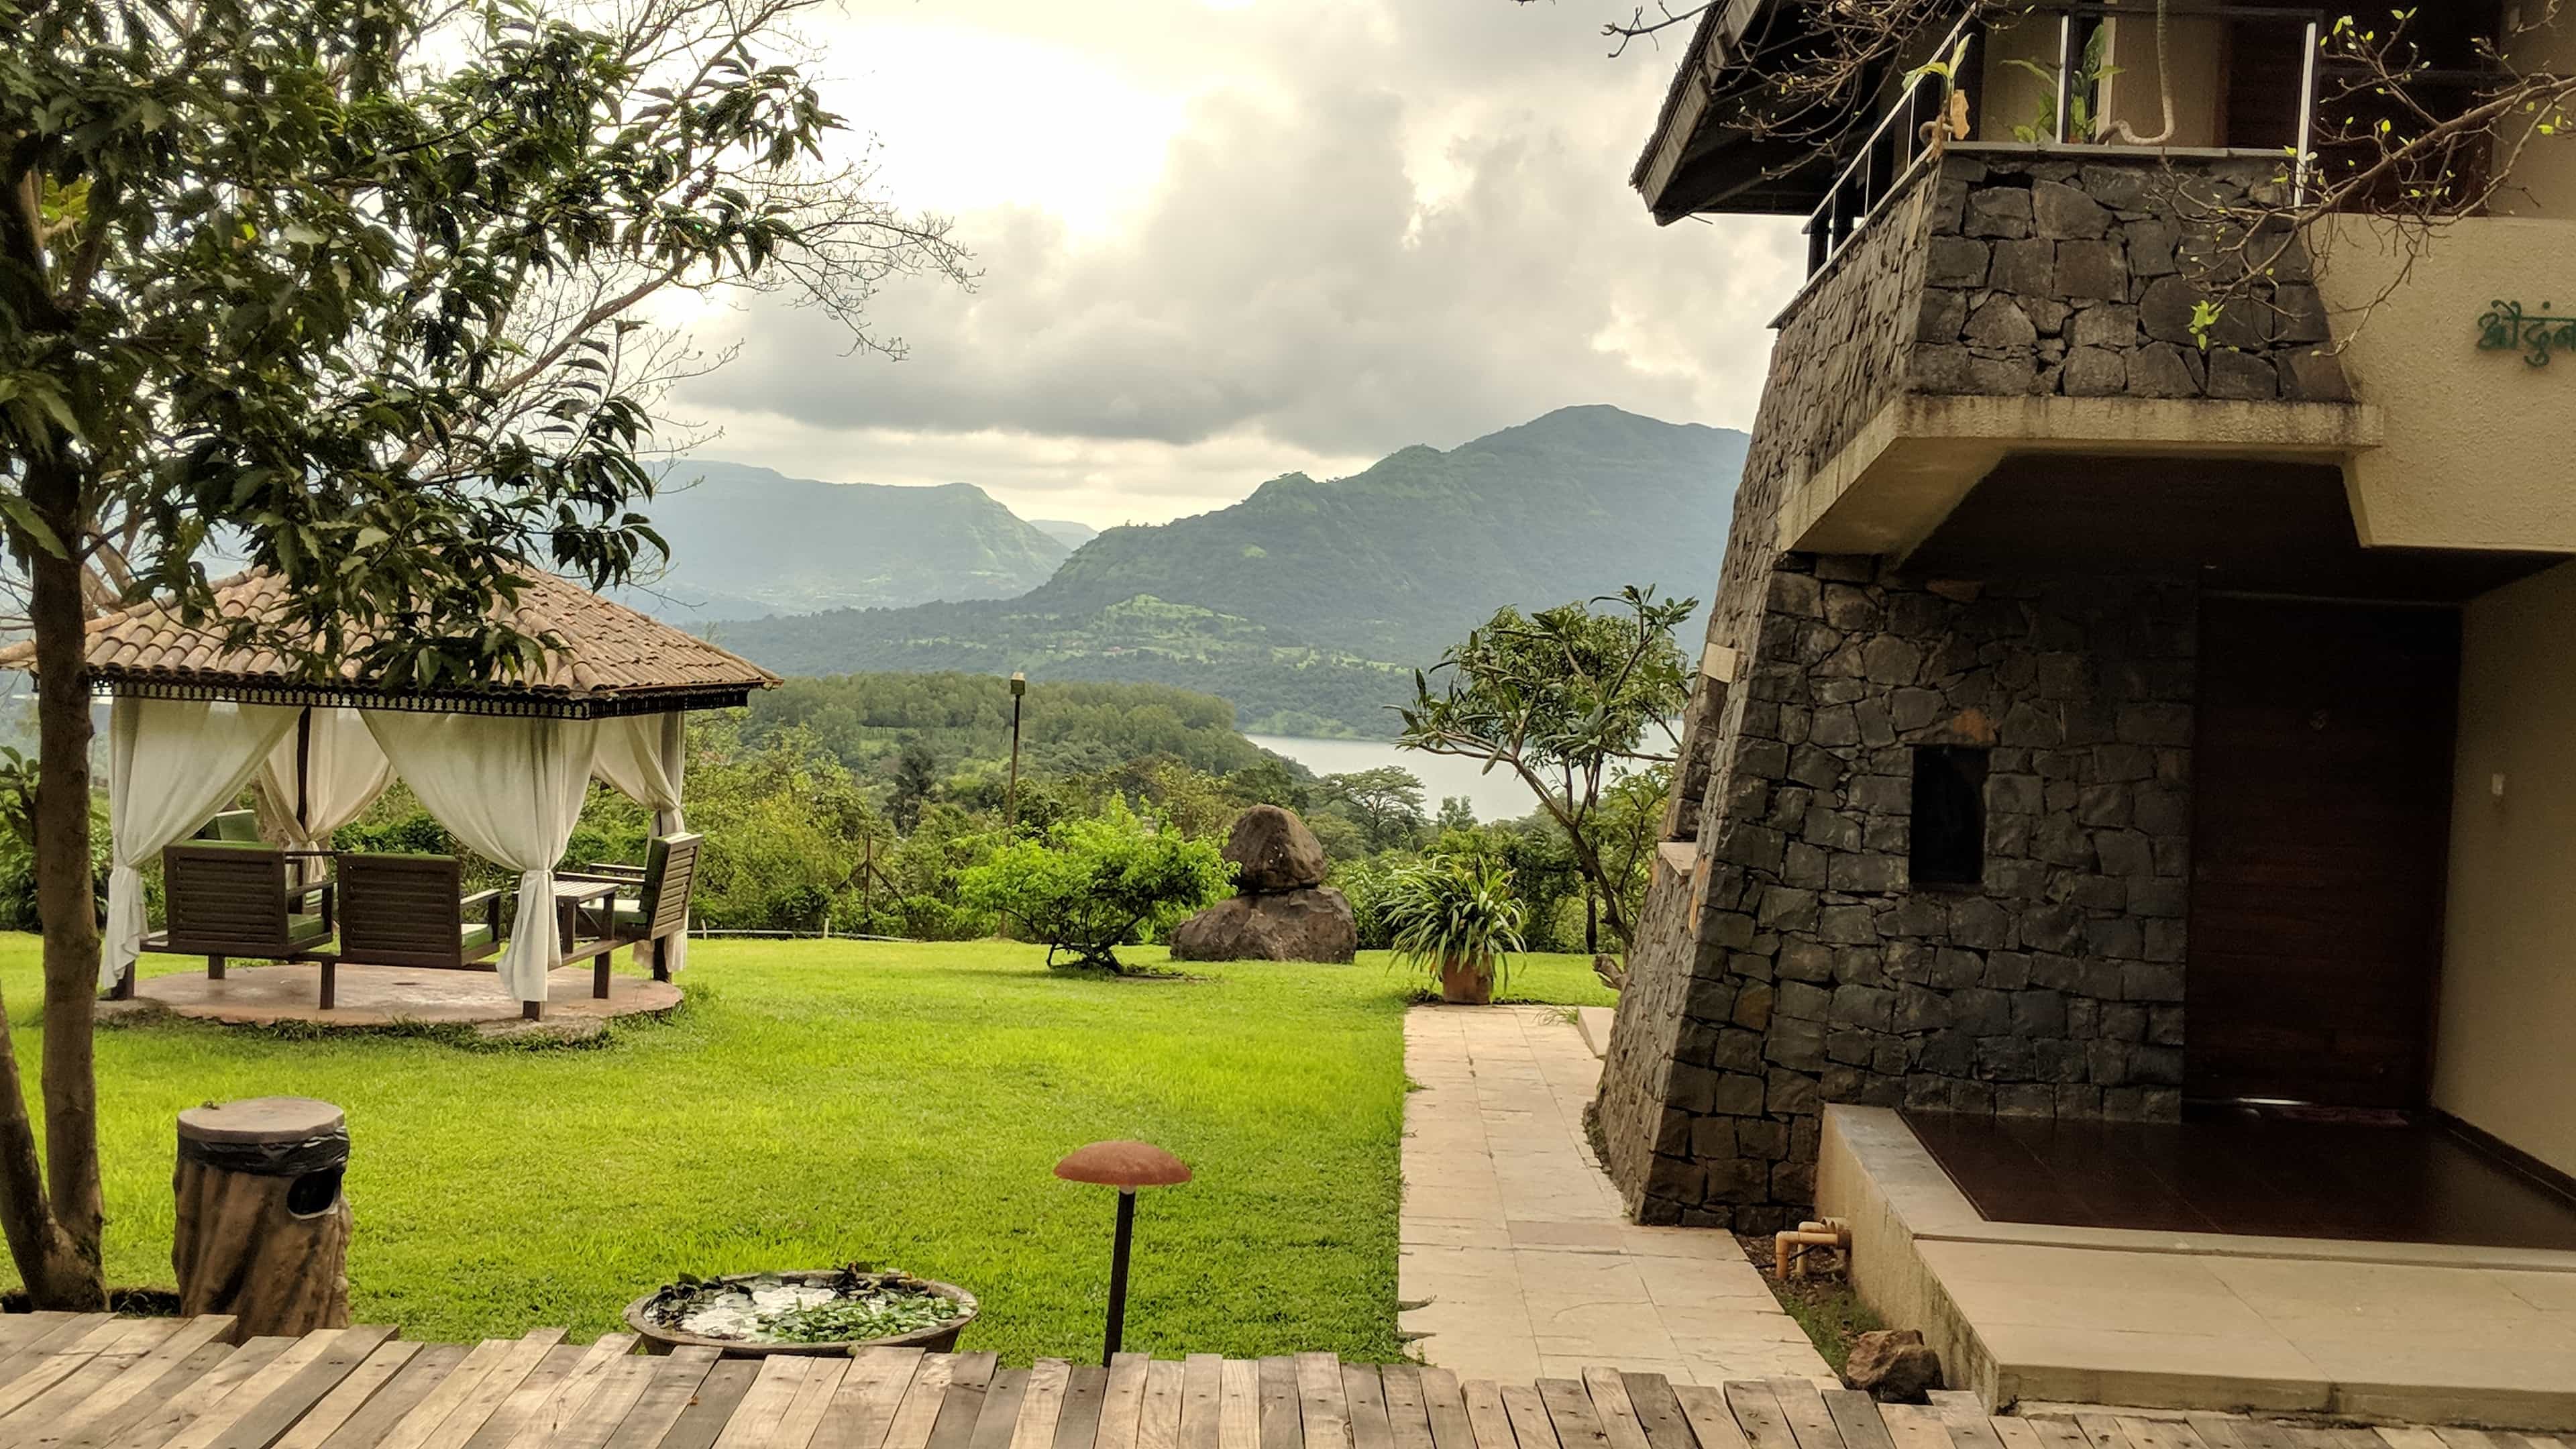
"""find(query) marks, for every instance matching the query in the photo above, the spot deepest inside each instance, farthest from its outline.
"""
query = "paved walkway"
(1514, 1243)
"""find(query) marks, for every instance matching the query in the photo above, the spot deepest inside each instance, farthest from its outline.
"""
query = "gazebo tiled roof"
(615, 660)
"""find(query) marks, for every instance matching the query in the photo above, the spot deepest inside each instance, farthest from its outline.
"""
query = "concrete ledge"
(1890, 487)
(2398, 1332)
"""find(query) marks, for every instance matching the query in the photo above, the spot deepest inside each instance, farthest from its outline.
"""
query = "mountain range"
(748, 542)
(1309, 604)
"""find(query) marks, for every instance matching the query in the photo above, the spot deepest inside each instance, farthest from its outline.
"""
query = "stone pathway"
(1513, 1239)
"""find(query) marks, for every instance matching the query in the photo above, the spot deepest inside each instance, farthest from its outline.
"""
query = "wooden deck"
(95, 1382)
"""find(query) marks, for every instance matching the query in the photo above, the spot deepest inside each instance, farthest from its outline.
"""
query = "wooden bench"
(412, 910)
(650, 908)
(225, 898)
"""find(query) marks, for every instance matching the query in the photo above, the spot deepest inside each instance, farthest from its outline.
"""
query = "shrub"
(1095, 885)
(1456, 914)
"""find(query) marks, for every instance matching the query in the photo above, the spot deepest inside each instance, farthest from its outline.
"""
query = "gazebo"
(503, 766)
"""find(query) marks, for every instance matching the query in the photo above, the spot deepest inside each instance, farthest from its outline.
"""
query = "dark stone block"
(2312, 374)
(2242, 377)
(1998, 211)
(2064, 213)
(2026, 269)
(1864, 1006)
(2001, 322)
(2094, 372)
(2095, 269)
(1789, 1093)
(1953, 261)
(2162, 370)
(2166, 310)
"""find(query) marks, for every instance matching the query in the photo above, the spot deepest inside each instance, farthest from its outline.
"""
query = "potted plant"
(1456, 920)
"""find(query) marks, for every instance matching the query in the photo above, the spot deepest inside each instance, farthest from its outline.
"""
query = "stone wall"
(1818, 972)
(2083, 279)
(1840, 357)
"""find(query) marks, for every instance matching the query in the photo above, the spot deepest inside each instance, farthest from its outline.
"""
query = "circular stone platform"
(382, 996)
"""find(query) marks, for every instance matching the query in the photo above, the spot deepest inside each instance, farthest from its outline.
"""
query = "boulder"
(1310, 924)
(1274, 851)
(1893, 1366)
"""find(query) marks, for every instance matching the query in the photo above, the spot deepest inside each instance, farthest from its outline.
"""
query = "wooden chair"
(227, 898)
(411, 910)
(656, 911)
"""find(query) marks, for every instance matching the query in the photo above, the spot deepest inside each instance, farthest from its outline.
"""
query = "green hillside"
(749, 541)
(1310, 603)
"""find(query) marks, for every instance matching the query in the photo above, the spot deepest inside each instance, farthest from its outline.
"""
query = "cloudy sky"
(1223, 239)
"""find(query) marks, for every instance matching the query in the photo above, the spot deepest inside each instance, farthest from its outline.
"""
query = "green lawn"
(825, 1102)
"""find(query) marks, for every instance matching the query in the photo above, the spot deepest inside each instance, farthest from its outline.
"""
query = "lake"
(1498, 796)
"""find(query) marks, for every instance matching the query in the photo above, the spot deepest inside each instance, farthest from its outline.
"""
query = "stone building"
(2110, 708)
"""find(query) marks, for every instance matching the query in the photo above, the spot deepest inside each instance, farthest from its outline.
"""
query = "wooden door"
(2321, 824)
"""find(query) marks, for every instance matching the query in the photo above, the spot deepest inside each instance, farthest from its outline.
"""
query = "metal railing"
(1901, 137)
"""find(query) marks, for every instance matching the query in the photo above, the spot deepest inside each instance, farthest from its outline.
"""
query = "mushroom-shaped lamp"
(1125, 1166)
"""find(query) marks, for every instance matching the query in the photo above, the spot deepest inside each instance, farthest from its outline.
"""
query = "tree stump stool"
(263, 1230)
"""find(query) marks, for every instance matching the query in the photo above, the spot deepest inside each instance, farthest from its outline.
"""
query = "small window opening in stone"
(1949, 834)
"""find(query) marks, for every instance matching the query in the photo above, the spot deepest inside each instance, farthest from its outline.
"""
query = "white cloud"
(1223, 241)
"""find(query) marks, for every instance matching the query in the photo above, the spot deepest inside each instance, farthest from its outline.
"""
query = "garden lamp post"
(1125, 1166)
(1011, 794)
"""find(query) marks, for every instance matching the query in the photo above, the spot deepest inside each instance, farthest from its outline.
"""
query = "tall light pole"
(1011, 795)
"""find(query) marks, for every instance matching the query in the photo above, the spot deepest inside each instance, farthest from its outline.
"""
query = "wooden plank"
(1158, 1423)
(484, 1398)
(1487, 1419)
(1856, 1419)
(2018, 1434)
(1320, 1403)
(1041, 1404)
(1611, 1406)
(672, 1389)
(1916, 1428)
(1281, 1425)
(113, 1360)
(545, 1405)
(70, 1351)
(804, 1416)
(970, 1375)
(1238, 1414)
(1406, 1417)
(2146, 1433)
(1711, 1421)
(431, 1409)
(1447, 1406)
(411, 1383)
(620, 1388)
(1202, 1399)
(20, 1329)
(1802, 1404)
(2056, 1432)
(1364, 1396)
(1528, 1415)
(863, 1408)
(362, 1383)
(268, 1420)
(918, 1412)
(154, 1429)
(1077, 1424)
(1757, 1411)
(1000, 1421)
(1569, 1414)
(247, 1396)
(2102, 1431)
(140, 1381)
(1659, 1414)
(2218, 1431)
(1122, 1401)
(702, 1419)
(154, 1398)
(64, 1336)
(773, 1385)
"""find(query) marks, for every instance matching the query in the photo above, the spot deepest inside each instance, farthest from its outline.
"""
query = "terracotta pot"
(1462, 984)
(938, 1338)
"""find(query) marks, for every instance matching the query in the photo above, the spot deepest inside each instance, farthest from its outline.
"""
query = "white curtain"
(640, 758)
(321, 776)
(172, 763)
(511, 790)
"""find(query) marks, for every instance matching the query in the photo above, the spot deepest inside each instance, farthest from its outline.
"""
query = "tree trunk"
(59, 1255)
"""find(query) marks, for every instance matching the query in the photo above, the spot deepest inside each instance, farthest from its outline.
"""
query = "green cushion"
(474, 936)
(238, 827)
(305, 930)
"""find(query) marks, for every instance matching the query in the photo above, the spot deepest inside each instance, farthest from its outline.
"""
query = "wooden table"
(570, 896)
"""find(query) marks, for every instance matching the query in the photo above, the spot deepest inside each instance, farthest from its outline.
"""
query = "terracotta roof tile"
(610, 650)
